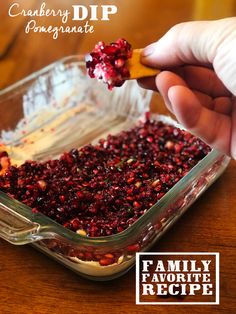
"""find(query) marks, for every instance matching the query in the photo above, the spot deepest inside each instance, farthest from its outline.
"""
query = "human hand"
(198, 78)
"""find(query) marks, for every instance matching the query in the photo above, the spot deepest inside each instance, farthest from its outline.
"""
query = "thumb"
(189, 42)
(200, 43)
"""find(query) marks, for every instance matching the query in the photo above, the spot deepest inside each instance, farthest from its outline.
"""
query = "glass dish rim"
(77, 58)
(49, 225)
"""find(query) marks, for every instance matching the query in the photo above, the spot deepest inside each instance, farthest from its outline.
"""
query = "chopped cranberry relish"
(102, 189)
(108, 62)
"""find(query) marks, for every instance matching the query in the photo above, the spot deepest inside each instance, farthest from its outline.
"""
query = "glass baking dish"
(59, 108)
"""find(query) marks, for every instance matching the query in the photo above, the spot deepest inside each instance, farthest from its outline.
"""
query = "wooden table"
(33, 283)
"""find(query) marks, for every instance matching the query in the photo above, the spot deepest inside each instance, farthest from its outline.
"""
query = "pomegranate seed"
(150, 139)
(147, 115)
(136, 204)
(119, 229)
(62, 198)
(75, 223)
(79, 194)
(106, 261)
(177, 148)
(119, 63)
(88, 256)
(109, 255)
(133, 248)
(80, 255)
(130, 180)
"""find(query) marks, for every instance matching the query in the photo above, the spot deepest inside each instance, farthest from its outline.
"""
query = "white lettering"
(80, 12)
(93, 13)
(193, 288)
(146, 264)
(206, 265)
(64, 14)
(171, 289)
(185, 265)
(180, 278)
(144, 277)
(206, 289)
(155, 278)
(32, 26)
(196, 277)
(206, 278)
(160, 289)
(107, 10)
(147, 289)
(193, 266)
(173, 265)
(11, 8)
(160, 266)
(170, 277)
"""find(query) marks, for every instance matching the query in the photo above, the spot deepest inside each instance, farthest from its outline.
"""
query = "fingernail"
(147, 51)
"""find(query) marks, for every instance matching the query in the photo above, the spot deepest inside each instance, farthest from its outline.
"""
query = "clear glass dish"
(59, 108)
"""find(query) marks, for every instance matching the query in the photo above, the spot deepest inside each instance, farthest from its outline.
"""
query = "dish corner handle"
(16, 228)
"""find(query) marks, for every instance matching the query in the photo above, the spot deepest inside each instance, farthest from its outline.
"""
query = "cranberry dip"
(102, 189)
(108, 62)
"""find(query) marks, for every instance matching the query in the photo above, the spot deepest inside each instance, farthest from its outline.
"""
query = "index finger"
(202, 79)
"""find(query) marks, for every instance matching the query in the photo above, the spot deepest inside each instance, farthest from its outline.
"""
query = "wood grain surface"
(31, 282)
